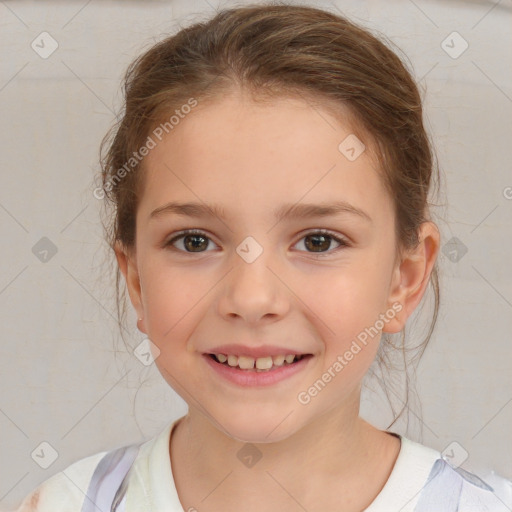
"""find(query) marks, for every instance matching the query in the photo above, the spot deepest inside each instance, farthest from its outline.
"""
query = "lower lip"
(252, 378)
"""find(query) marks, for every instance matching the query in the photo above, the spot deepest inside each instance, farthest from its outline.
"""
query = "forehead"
(237, 151)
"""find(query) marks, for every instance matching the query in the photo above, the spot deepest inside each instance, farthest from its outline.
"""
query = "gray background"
(66, 378)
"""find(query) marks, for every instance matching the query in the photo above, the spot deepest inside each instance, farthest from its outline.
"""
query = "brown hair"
(280, 50)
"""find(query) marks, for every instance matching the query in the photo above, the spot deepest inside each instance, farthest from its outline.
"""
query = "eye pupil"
(319, 242)
(194, 245)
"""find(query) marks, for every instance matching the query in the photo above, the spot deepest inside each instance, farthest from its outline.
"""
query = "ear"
(127, 261)
(411, 276)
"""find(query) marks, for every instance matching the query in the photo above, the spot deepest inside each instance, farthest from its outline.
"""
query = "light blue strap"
(442, 491)
(107, 487)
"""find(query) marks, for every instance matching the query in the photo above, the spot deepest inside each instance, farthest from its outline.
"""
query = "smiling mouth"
(260, 364)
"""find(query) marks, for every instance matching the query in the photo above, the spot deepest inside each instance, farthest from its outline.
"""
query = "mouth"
(259, 364)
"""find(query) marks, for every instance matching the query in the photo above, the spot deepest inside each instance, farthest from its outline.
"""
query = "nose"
(253, 291)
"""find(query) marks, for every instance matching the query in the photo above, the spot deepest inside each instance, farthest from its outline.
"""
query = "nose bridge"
(250, 250)
(253, 290)
(252, 261)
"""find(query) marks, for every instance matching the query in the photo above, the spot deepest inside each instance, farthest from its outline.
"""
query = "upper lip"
(255, 352)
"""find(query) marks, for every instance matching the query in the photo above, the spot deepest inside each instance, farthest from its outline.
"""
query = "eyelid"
(323, 231)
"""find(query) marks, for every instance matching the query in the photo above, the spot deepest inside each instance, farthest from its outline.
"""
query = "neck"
(337, 450)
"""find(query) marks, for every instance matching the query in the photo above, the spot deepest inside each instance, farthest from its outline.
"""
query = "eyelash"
(343, 242)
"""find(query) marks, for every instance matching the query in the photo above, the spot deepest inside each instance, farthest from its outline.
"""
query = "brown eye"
(193, 241)
(317, 243)
(320, 242)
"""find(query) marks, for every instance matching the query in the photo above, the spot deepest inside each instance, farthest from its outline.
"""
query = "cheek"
(172, 309)
(346, 307)
(172, 299)
(347, 299)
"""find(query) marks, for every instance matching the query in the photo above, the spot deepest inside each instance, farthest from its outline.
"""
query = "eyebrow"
(286, 211)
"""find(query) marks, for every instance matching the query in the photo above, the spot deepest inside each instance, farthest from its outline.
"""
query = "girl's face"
(265, 284)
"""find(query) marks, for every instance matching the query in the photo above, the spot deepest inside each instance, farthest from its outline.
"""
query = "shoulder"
(449, 487)
(423, 481)
(483, 494)
(64, 491)
(67, 490)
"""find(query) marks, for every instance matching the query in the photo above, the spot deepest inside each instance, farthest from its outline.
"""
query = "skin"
(251, 158)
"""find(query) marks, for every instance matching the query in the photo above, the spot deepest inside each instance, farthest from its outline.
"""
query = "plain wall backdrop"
(66, 377)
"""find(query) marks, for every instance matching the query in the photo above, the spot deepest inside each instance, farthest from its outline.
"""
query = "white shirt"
(151, 484)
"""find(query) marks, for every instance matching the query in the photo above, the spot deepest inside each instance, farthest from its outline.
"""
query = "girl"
(270, 181)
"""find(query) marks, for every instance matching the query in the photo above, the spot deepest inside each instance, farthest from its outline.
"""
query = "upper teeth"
(261, 363)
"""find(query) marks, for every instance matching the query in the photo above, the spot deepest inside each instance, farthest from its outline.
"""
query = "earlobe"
(412, 274)
(126, 259)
